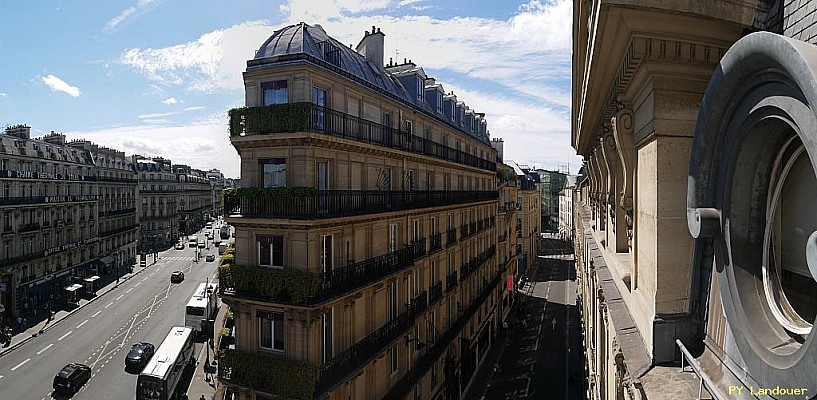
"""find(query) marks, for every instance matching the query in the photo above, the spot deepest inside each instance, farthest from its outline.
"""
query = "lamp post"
(116, 258)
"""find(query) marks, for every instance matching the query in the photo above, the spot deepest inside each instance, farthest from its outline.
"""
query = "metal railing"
(338, 203)
(705, 381)
(308, 117)
(436, 242)
(451, 237)
(451, 281)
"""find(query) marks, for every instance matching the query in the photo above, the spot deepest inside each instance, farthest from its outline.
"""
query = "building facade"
(159, 196)
(195, 202)
(550, 184)
(566, 231)
(693, 236)
(54, 208)
(369, 195)
(217, 185)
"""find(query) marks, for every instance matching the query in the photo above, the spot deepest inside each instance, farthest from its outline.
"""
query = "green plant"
(285, 285)
(290, 117)
(228, 258)
(291, 379)
(225, 332)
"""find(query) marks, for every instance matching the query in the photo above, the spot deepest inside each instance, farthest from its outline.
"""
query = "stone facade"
(686, 141)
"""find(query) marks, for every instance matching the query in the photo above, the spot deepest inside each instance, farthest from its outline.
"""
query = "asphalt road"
(543, 360)
(144, 308)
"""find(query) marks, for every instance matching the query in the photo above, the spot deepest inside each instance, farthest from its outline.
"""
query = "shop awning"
(91, 278)
(106, 259)
(73, 287)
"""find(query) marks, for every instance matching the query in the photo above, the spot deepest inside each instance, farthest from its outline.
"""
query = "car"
(138, 356)
(202, 245)
(71, 378)
(210, 258)
(176, 277)
(179, 246)
(209, 226)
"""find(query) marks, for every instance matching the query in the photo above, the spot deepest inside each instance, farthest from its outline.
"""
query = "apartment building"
(53, 206)
(366, 227)
(159, 197)
(550, 184)
(195, 198)
(528, 215)
(694, 230)
(217, 185)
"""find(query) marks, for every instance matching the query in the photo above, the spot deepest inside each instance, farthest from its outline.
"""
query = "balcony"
(451, 237)
(436, 242)
(306, 203)
(32, 227)
(291, 286)
(307, 117)
(112, 213)
(13, 201)
(451, 282)
(502, 238)
(344, 365)
(435, 293)
(290, 379)
(464, 232)
(421, 367)
(118, 230)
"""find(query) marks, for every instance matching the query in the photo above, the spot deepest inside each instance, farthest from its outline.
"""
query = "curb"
(57, 321)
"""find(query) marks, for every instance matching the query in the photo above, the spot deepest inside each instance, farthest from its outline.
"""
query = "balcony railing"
(435, 293)
(464, 231)
(118, 230)
(112, 213)
(502, 238)
(251, 281)
(291, 379)
(351, 360)
(307, 117)
(339, 203)
(451, 281)
(420, 368)
(34, 226)
(451, 237)
(436, 242)
(11, 201)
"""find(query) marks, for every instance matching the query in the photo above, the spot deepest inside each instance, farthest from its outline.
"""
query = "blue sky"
(156, 77)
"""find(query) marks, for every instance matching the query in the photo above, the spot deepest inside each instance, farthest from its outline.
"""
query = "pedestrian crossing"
(189, 258)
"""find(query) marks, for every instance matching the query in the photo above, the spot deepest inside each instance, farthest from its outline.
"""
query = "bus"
(202, 306)
(225, 231)
(160, 377)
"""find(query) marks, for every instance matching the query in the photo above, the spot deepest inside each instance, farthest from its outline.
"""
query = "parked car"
(176, 277)
(138, 356)
(210, 257)
(179, 246)
(71, 378)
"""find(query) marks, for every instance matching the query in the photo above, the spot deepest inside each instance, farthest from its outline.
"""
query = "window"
(270, 250)
(327, 263)
(417, 281)
(393, 300)
(275, 92)
(417, 232)
(328, 351)
(420, 89)
(394, 360)
(319, 99)
(272, 330)
(392, 237)
(274, 172)
(439, 102)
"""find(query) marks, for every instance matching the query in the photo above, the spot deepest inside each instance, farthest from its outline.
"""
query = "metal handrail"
(705, 381)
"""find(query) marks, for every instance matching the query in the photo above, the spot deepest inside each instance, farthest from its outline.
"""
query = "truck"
(221, 247)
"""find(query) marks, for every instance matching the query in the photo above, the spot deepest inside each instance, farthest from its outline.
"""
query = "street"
(99, 335)
(541, 357)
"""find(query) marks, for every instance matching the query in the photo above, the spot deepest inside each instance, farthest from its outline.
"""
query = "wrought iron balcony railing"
(32, 227)
(118, 230)
(338, 203)
(435, 293)
(308, 117)
(11, 201)
(451, 281)
(351, 360)
(436, 242)
(451, 237)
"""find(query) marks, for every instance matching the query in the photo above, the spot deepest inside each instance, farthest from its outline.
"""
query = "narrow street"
(542, 355)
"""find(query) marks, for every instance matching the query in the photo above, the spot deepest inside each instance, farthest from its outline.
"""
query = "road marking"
(125, 337)
(120, 296)
(96, 313)
(137, 284)
(44, 349)
(83, 323)
(128, 291)
(21, 364)
(146, 278)
(109, 304)
(63, 336)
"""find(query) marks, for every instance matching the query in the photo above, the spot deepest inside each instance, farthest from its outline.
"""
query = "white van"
(221, 247)
(192, 241)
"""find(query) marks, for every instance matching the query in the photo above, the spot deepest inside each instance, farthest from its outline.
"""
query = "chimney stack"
(371, 46)
(20, 131)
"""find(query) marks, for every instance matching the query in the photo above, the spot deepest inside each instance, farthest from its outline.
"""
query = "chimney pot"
(404, 60)
(372, 29)
(366, 33)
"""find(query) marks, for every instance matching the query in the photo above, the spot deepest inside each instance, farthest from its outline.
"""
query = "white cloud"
(156, 115)
(128, 13)
(3, 94)
(195, 108)
(170, 100)
(58, 85)
(203, 144)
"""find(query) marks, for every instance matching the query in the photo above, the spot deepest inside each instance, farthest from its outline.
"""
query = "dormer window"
(453, 110)
(439, 103)
(420, 89)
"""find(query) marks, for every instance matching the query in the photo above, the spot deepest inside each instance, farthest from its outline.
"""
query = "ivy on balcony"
(282, 285)
(291, 379)
(276, 118)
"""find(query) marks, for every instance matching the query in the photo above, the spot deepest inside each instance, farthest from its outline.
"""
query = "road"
(543, 360)
(99, 335)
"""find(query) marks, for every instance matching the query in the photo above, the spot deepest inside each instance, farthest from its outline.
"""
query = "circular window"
(787, 281)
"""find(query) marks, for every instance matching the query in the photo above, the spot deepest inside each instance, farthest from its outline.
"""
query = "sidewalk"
(201, 385)
(37, 323)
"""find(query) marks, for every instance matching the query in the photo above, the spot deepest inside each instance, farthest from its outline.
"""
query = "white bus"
(160, 378)
(202, 306)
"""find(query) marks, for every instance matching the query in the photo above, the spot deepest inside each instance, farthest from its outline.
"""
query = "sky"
(157, 77)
